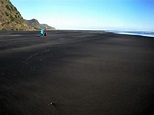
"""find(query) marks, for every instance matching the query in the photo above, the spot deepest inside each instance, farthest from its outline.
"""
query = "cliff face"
(10, 17)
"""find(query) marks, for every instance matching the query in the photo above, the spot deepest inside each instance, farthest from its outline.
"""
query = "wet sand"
(76, 73)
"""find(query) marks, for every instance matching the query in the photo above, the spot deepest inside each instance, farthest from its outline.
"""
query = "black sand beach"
(76, 73)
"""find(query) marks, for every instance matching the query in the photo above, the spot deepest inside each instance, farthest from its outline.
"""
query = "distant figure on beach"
(45, 32)
(41, 32)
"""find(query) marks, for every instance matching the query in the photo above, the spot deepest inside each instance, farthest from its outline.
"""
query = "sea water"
(139, 33)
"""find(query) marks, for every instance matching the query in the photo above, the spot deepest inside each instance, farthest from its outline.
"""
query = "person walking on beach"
(45, 32)
(41, 32)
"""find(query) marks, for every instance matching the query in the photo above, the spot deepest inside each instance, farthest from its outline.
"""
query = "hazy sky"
(90, 14)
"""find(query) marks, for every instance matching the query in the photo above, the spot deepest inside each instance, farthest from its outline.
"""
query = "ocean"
(139, 33)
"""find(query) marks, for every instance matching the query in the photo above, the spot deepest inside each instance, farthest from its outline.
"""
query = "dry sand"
(76, 73)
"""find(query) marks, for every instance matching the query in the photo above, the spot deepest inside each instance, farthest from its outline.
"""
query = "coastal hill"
(36, 25)
(45, 26)
(11, 19)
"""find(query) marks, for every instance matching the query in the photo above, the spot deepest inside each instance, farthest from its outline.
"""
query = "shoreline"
(136, 33)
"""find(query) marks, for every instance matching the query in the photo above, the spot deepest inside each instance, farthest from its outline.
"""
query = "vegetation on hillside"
(11, 19)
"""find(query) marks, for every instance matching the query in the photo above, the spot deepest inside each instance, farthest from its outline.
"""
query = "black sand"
(76, 73)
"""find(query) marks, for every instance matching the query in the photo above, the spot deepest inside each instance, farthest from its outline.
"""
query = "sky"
(129, 15)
